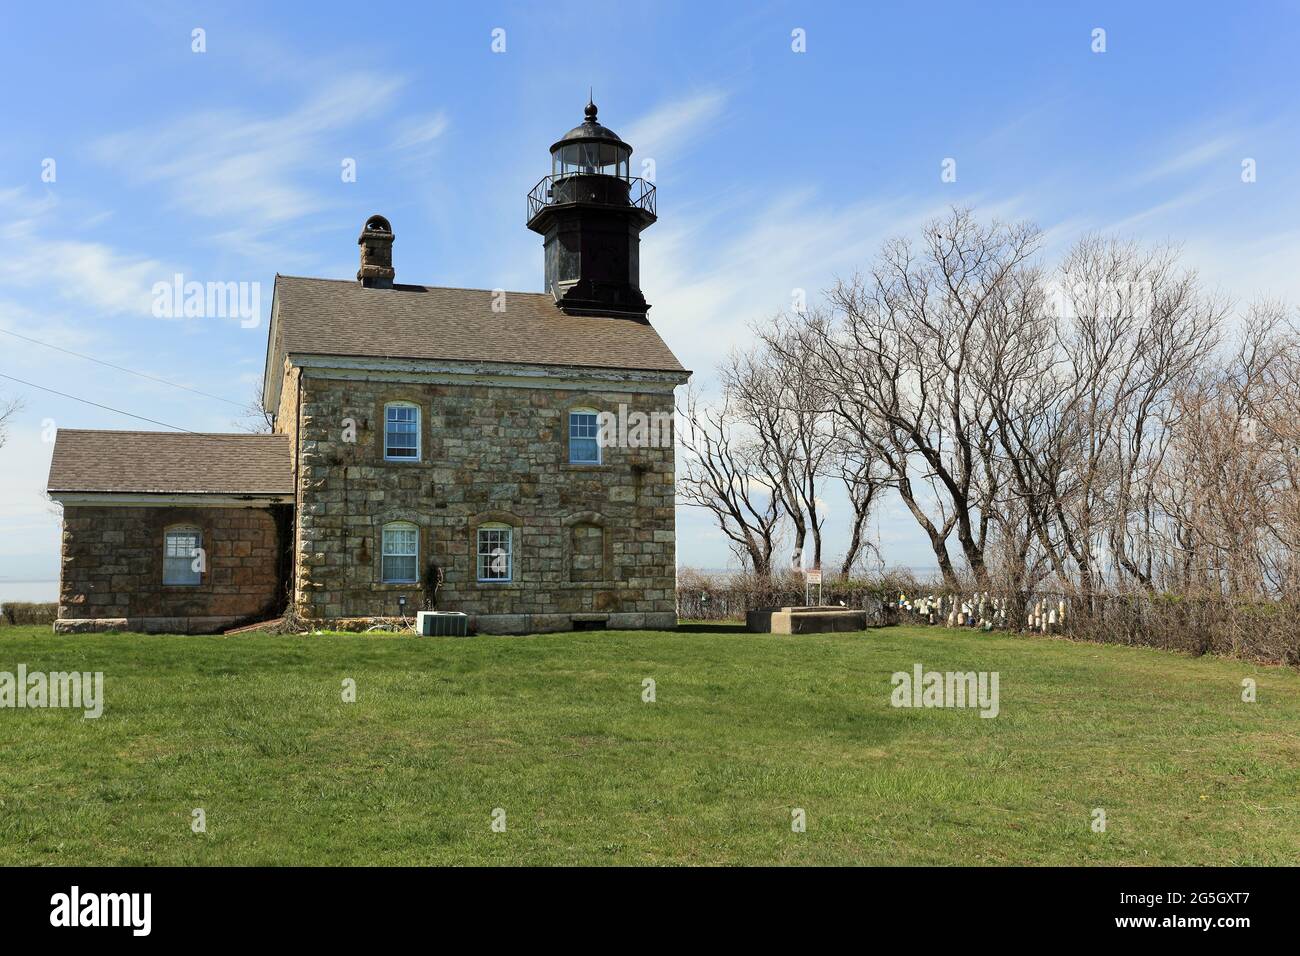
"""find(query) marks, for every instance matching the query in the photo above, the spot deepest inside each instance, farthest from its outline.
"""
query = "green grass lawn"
(553, 730)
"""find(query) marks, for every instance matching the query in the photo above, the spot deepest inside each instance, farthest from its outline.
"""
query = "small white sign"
(813, 576)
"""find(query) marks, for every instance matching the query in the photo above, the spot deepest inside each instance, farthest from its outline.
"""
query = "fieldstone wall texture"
(590, 542)
(286, 413)
(112, 570)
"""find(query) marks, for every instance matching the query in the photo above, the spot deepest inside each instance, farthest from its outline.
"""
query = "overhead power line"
(120, 368)
(110, 408)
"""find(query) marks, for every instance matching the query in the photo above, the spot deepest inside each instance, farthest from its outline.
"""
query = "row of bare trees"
(1104, 422)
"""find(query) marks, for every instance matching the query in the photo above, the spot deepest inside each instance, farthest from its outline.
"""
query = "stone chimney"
(376, 242)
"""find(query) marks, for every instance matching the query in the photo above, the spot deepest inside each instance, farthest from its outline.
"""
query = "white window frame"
(481, 555)
(600, 455)
(177, 531)
(403, 526)
(419, 451)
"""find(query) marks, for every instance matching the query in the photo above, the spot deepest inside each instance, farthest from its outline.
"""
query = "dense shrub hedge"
(1259, 630)
(28, 612)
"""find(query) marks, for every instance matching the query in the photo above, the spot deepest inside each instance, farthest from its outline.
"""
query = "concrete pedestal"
(805, 620)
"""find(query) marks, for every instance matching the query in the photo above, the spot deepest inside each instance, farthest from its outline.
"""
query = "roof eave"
(269, 382)
(468, 366)
(160, 499)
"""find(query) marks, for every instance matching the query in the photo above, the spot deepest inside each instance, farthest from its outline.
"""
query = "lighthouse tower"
(590, 212)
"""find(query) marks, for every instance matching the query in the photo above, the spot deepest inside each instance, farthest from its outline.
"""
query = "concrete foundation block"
(805, 620)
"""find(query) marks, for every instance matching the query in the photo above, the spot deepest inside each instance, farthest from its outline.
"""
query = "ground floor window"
(401, 553)
(495, 552)
(183, 556)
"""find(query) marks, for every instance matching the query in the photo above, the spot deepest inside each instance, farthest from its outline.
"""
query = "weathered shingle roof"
(338, 317)
(170, 463)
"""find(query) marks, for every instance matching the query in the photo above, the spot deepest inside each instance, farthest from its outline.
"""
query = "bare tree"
(1227, 485)
(8, 409)
(1087, 449)
(255, 418)
(773, 388)
(864, 478)
(1277, 406)
(1097, 436)
(902, 366)
(725, 472)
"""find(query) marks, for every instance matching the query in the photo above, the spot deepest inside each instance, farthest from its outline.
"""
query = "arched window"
(400, 553)
(584, 436)
(495, 552)
(184, 560)
(401, 431)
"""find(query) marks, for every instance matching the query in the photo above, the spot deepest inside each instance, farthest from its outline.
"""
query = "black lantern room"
(590, 212)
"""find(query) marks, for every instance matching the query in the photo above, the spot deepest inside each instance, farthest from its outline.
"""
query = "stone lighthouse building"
(505, 454)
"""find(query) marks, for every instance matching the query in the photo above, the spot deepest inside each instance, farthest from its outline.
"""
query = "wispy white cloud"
(1256, 268)
(1161, 210)
(419, 133)
(708, 287)
(245, 169)
(89, 275)
(1191, 157)
(662, 132)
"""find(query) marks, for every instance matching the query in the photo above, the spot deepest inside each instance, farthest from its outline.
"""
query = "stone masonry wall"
(113, 569)
(286, 414)
(589, 540)
(286, 423)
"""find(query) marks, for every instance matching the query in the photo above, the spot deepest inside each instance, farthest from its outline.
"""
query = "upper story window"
(401, 553)
(584, 444)
(495, 552)
(183, 556)
(401, 432)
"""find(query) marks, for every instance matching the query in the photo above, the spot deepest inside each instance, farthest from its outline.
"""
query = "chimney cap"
(376, 242)
(375, 224)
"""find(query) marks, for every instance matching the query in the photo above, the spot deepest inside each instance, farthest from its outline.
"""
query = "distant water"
(920, 571)
(28, 591)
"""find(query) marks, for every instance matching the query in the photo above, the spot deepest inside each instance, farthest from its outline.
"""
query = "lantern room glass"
(588, 159)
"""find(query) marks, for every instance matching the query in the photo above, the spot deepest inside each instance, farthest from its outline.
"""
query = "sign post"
(810, 577)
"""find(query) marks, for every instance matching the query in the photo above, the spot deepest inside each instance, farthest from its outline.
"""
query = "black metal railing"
(577, 187)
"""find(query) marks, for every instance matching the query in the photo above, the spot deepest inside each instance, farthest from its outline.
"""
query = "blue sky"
(776, 170)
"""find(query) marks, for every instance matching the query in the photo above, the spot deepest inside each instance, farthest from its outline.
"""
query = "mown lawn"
(553, 730)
